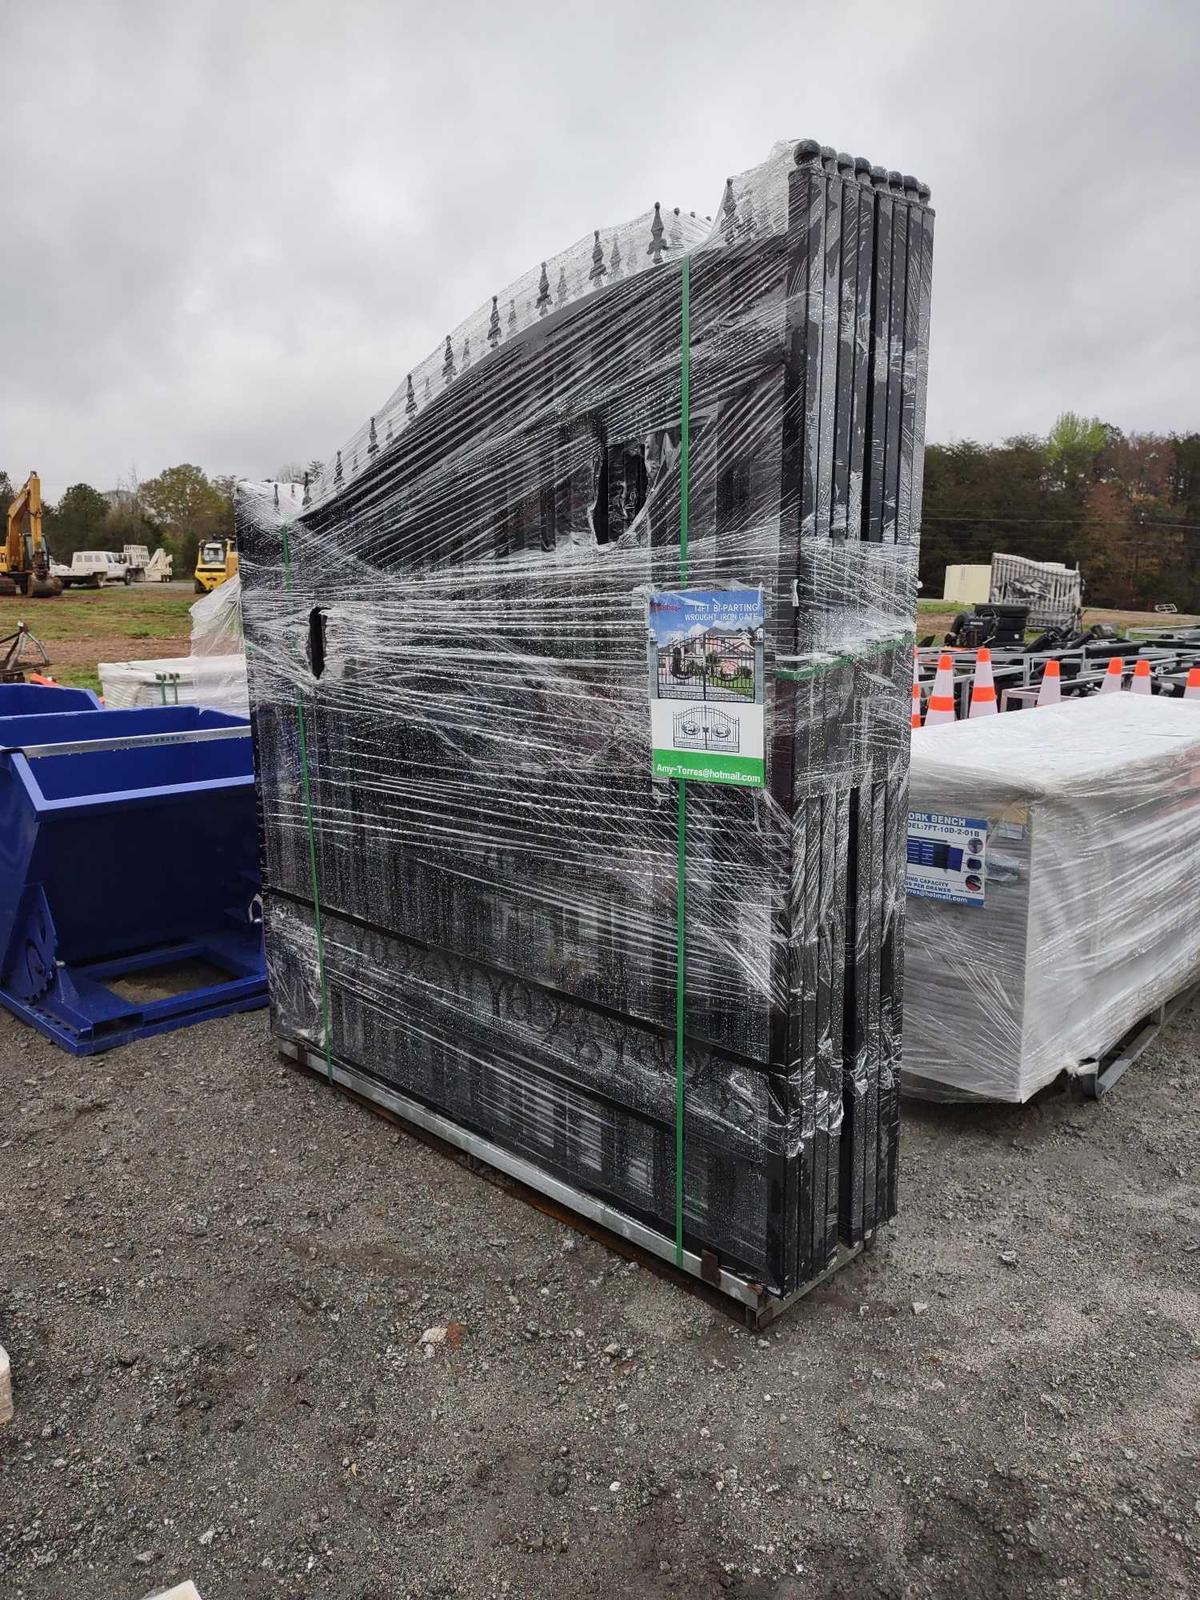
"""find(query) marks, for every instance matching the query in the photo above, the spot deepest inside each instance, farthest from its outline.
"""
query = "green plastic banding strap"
(306, 789)
(685, 395)
(842, 658)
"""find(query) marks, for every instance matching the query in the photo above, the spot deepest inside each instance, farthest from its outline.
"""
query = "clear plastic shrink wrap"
(1079, 917)
(215, 682)
(217, 616)
(471, 876)
(214, 674)
(1053, 592)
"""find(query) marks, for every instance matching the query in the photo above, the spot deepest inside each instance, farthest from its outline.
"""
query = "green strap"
(685, 401)
(306, 789)
(685, 395)
(842, 658)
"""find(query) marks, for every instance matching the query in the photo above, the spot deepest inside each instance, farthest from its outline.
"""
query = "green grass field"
(84, 626)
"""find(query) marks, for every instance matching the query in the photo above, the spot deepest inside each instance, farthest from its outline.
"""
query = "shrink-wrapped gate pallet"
(481, 907)
(1074, 918)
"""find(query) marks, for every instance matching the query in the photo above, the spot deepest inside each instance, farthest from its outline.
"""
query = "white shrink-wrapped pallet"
(1053, 858)
(216, 682)
(213, 675)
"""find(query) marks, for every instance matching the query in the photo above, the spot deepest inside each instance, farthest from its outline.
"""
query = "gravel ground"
(216, 1274)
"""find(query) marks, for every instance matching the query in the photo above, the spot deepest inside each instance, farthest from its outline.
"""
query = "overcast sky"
(231, 228)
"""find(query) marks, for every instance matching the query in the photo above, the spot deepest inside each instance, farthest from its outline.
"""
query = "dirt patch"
(223, 1285)
(82, 627)
(87, 652)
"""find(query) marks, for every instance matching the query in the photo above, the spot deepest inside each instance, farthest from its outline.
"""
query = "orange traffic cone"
(1141, 677)
(941, 699)
(1192, 688)
(1050, 688)
(983, 689)
(916, 698)
(1113, 679)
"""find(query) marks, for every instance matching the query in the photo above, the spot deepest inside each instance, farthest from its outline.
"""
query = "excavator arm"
(24, 526)
(25, 560)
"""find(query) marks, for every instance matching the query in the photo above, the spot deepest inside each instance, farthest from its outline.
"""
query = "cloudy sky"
(230, 228)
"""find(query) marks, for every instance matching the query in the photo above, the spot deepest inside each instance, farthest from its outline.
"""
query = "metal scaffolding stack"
(481, 908)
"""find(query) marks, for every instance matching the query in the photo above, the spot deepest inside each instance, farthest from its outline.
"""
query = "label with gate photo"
(705, 657)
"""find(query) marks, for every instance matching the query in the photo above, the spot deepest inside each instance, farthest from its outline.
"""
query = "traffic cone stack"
(1192, 688)
(916, 698)
(1141, 677)
(1050, 689)
(1113, 678)
(983, 689)
(941, 700)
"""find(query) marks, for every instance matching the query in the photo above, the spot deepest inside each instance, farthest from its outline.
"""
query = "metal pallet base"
(1096, 1078)
(83, 1016)
(627, 1235)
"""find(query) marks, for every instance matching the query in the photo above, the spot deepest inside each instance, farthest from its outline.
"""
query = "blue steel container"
(22, 699)
(128, 846)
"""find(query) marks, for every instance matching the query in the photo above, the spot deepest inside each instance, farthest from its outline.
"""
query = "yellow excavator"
(24, 558)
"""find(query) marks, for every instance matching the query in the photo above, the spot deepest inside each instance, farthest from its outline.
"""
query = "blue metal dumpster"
(128, 851)
(22, 699)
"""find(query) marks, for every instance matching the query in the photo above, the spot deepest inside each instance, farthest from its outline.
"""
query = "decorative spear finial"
(676, 233)
(560, 288)
(449, 370)
(615, 269)
(410, 399)
(466, 351)
(277, 497)
(426, 391)
(599, 271)
(372, 440)
(729, 216)
(512, 317)
(494, 335)
(655, 248)
(543, 299)
(307, 497)
(337, 470)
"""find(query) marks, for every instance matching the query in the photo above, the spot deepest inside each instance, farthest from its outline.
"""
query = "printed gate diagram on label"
(705, 661)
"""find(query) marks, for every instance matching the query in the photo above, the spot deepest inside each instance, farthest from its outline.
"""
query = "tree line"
(1125, 507)
(178, 509)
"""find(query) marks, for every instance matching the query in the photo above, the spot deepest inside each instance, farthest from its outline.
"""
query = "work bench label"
(947, 857)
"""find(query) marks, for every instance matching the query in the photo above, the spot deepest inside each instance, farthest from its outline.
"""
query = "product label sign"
(947, 857)
(705, 659)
